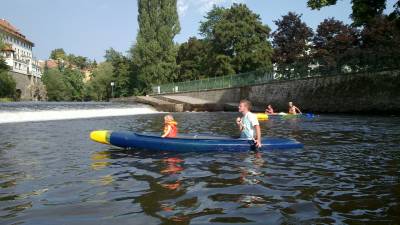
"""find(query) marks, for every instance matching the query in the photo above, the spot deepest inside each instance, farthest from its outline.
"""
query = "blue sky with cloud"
(89, 27)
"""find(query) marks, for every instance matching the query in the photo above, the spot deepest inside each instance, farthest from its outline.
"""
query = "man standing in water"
(248, 124)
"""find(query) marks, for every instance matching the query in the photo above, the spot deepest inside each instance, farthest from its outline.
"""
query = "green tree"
(213, 17)
(291, 45)
(7, 82)
(55, 86)
(3, 64)
(79, 61)
(7, 85)
(98, 88)
(122, 73)
(58, 54)
(192, 59)
(231, 34)
(154, 54)
(73, 80)
(364, 11)
(335, 45)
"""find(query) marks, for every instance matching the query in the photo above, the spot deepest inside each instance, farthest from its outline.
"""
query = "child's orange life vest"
(174, 129)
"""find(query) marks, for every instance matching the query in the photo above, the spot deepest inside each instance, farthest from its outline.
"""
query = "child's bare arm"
(167, 131)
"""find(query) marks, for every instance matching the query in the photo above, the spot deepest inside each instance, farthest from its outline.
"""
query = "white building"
(18, 52)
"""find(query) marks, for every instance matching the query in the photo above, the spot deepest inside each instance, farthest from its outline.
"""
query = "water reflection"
(348, 172)
(100, 160)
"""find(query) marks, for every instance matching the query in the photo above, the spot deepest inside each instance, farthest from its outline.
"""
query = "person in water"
(269, 110)
(170, 127)
(248, 123)
(293, 110)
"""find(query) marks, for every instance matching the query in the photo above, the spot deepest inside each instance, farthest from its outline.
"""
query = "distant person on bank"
(248, 124)
(293, 110)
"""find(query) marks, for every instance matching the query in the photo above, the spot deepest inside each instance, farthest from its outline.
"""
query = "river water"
(51, 173)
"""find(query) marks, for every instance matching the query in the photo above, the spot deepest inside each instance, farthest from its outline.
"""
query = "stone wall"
(29, 87)
(372, 92)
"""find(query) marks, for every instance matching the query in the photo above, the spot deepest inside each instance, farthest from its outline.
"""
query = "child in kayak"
(248, 124)
(170, 127)
(269, 110)
(293, 109)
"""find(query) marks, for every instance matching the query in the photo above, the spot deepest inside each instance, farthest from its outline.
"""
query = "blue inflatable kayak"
(186, 142)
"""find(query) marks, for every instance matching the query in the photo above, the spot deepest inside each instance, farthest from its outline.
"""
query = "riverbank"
(6, 100)
(366, 93)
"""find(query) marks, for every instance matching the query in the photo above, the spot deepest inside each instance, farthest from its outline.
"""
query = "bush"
(7, 85)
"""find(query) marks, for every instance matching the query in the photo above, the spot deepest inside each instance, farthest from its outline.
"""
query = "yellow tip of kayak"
(262, 116)
(101, 136)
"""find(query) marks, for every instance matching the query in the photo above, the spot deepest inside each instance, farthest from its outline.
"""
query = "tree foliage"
(7, 85)
(73, 80)
(55, 85)
(79, 61)
(318, 4)
(154, 54)
(229, 34)
(291, 43)
(380, 44)
(122, 74)
(58, 54)
(7, 82)
(99, 88)
(192, 59)
(213, 17)
(335, 46)
(364, 11)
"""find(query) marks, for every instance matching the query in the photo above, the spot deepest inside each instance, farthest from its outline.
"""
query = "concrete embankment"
(352, 93)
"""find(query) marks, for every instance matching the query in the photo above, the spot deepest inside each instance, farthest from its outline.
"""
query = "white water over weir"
(68, 114)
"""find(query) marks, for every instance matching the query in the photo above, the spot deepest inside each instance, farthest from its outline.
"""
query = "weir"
(68, 114)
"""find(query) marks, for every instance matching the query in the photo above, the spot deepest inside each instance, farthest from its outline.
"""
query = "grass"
(6, 100)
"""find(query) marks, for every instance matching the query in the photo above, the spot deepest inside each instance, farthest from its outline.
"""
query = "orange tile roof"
(9, 28)
(51, 63)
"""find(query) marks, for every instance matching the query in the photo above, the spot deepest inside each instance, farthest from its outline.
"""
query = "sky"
(90, 27)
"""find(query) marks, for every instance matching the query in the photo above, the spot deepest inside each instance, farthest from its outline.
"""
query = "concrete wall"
(372, 92)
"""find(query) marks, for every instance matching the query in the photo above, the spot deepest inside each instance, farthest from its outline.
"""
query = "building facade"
(23, 65)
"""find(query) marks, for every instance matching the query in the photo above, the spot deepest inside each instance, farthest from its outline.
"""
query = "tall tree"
(98, 88)
(55, 85)
(363, 10)
(7, 82)
(73, 80)
(3, 64)
(154, 54)
(291, 43)
(239, 31)
(58, 54)
(7, 85)
(192, 59)
(335, 45)
(122, 73)
(238, 39)
(380, 44)
(213, 17)
(79, 61)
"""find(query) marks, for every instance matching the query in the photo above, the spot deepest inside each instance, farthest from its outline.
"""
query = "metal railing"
(210, 83)
(257, 77)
